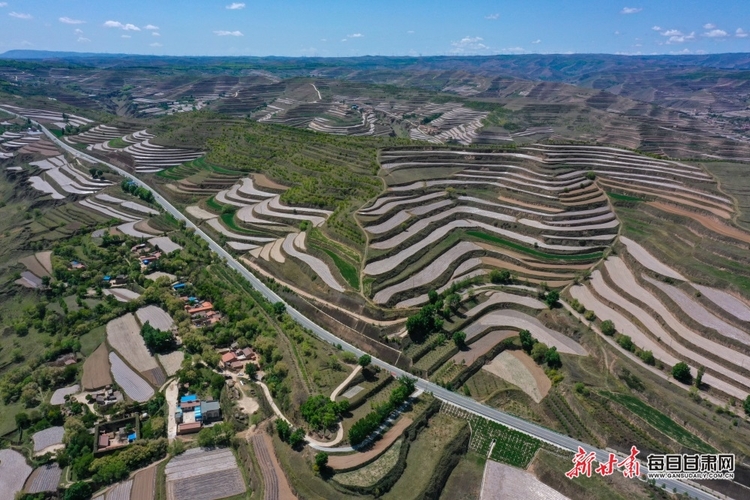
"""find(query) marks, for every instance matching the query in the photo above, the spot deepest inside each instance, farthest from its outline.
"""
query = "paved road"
(466, 403)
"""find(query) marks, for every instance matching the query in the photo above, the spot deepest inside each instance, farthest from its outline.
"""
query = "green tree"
(297, 438)
(746, 405)
(283, 429)
(552, 357)
(364, 360)
(321, 461)
(78, 491)
(433, 296)
(527, 341)
(608, 327)
(539, 352)
(279, 308)
(499, 276)
(22, 420)
(156, 340)
(681, 372)
(251, 369)
(459, 338)
(552, 298)
(699, 377)
(648, 357)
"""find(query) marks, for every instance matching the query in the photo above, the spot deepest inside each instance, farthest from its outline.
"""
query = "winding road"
(468, 404)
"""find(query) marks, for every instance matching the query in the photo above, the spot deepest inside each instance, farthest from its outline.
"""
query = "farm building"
(227, 359)
(115, 434)
(211, 410)
(74, 265)
(189, 428)
(201, 307)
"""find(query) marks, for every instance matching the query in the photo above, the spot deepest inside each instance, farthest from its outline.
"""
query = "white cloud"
(617, 33)
(155, 33)
(67, 20)
(656, 28)
(83, 39)
(126, 36)
(537, 41)
(344, 39)
(740, 33)
(709, 26)
(78, 31)
(716, 34)
(236, 6)
(677, 36)
(19, 15)
(3, 4)
(410, 32)
(155, 44)
(630, 10)
(118, 24)
(513, 50)
(150, 27)
(492, 17)
(228, 33)
(469, 44)
(356, 35)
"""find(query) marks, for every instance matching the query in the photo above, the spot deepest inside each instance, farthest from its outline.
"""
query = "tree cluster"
(539, 351)
(322, 413)
(368, 424)
(156, 340)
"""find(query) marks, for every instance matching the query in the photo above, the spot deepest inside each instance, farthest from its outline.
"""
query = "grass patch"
(374, 471)
(659, 421)
(8, 417)
(348, 271)
(515, 246)
(91, 340)
(512, 447)
(213, 204)
(118, 143)
(623, 197)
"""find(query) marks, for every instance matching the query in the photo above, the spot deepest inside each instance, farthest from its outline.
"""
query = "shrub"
(552, 357)
(552, 298)
(459, 338)
(527, 341)
(681, 372)
(626, 342)
(499, 276)
(539, 352)
(608, 327)
(648, 357)
(321, 461)
(589, 315)
(364, 360)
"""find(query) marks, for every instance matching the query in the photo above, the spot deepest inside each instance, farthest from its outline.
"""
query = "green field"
(623, 197)
(511, 446)
(348, 271)
(118, 143)
(660, 421)
(535, 253)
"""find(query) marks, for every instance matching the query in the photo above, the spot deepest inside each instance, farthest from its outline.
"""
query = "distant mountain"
(51, 54)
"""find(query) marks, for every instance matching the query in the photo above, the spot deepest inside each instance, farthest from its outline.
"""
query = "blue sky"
(379, 27)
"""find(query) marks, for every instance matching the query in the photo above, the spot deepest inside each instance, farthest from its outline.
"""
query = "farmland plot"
(171, 362)
(134, 386)
(649, 261)
(121, 294)
(144, 483)
(48, 437)
(44, 478)
(121, 491)
(124, 335)
(13, 472)
(58, 397)
(519, 369)
(96, 370)
(157, 317)
(504, 481)
(199, 474)
(731, 304)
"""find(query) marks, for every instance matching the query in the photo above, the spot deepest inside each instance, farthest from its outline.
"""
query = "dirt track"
(275, 485)
(144, 483)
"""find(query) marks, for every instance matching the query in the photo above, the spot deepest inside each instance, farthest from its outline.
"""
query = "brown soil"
(262, 181)
(682, 199)
(530, 205)
(96, 369)
(146, 228)
(482, 346)
(352, 461)
(284, 491)
(144, 483)
(45, 259)
(543, 383)
(33, 265)
(704, 221)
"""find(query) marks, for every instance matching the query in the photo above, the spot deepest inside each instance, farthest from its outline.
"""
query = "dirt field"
(262, 181)
(96, 369)
(705, 221)
(157, 317)
(124, 335)
(44, 478)
(481, 346)
(199, 474)
(519, 369)
(504, 481)
(374, 471)
(34, 266)
(144, 483)
(45, 259)
(340, 462)
(171, 362)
